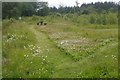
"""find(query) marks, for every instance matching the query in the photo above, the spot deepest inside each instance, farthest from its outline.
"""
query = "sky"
(56, 3)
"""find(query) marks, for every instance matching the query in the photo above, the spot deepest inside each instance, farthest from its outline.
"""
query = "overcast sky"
(72, 2)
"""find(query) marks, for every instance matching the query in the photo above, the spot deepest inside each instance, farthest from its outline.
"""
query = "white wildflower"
(20, 18)
(33, 55)
(37, 50)
(7, 40)
(31, 49)
(26, 55)
(43, 59)
(61, 43)
(105, 56)
(24, 47)
(47, 50)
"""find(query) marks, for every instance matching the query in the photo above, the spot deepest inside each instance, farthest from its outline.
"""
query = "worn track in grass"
(62, 63)
(55, 55)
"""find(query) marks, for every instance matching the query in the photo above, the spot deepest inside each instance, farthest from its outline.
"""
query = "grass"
(61, 49)
(0, 55)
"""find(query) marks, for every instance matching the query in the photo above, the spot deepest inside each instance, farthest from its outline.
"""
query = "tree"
(8, 9)
(16, 9)
(42, 9)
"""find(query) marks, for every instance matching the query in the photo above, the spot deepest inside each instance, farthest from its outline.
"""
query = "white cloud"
(72, 2)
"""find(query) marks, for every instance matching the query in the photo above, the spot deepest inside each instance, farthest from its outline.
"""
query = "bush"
(104, 19)
(35, 17)
(92, 19)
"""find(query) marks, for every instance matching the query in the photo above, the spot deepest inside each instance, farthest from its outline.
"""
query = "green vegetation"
(71, 45)
(15, 9)
(63, 48)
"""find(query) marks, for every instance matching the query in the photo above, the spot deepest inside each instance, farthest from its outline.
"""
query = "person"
(41, 22)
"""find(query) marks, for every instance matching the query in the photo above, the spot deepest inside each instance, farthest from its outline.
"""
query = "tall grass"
(70, 45)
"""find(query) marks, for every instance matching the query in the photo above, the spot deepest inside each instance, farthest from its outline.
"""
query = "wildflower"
(80, 73)
(33, 73)
(24, 47)
(8, 33)
(25, 55)
(12, 35)
(37, 50)
(43, 59)
(47, 50)
(10, 38)
(52, 71)
(105, 56)
(7, 40)
(33, 55)
(73, 48)
(31, 49)
(114, 56)
(61, 43)
(19, 18)
(42, 68)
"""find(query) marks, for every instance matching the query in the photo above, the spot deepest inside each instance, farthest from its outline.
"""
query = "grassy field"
(62, 49)
(0, 49)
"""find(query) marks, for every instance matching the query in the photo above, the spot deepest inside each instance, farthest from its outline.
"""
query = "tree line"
(17, 9)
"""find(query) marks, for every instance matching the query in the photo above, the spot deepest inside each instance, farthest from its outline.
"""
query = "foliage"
(107, 18)
(77, 42)
(14, 9)
(56, 50)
